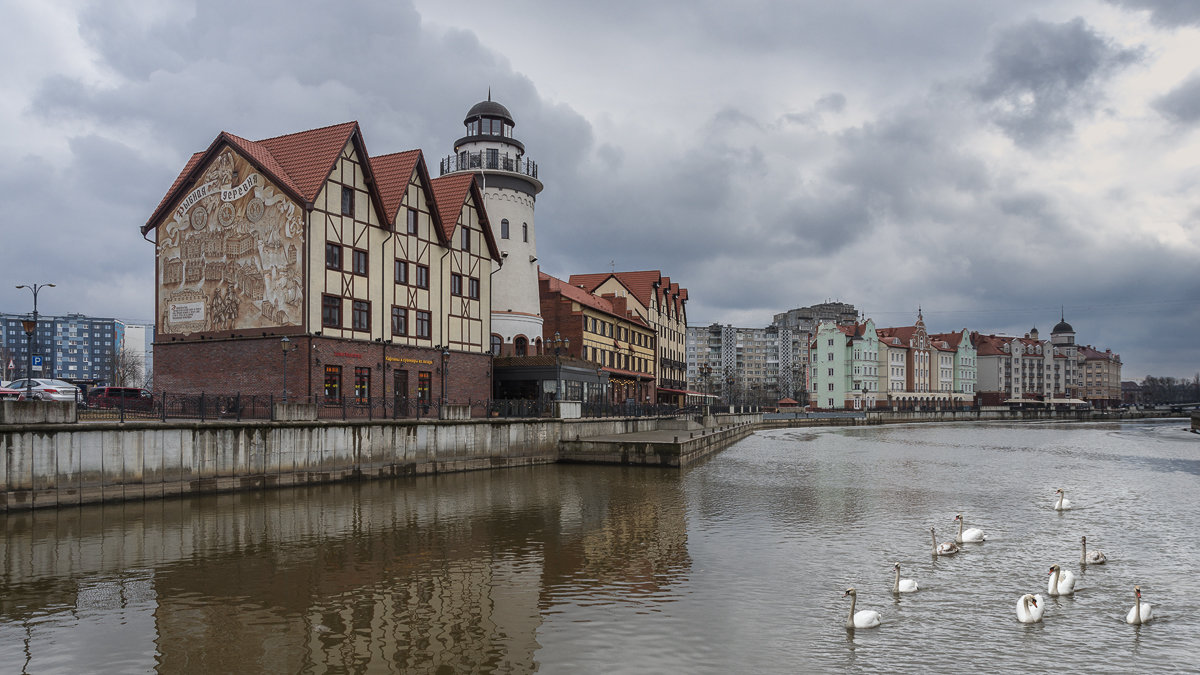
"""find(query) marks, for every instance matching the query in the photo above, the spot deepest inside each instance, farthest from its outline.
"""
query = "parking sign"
(37, 363)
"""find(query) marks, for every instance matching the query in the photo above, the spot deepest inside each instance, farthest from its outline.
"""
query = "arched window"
(504, 229)
(497, 342)
(520, 346)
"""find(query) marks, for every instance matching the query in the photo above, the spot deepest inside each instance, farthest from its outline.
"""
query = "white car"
(47, 390)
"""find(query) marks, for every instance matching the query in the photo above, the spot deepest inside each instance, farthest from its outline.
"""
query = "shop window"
(333, 383)
(362, 385)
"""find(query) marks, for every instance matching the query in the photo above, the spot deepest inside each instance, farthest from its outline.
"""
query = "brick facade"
(255, 366)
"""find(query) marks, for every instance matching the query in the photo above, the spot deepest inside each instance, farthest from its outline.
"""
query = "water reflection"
(737, 564)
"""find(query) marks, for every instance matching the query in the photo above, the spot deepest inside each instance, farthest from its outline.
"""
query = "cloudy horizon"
(997, 165)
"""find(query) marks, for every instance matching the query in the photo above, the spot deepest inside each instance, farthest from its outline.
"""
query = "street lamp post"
(560, 343)
(445, 367)
(31, 338)
(286, 346)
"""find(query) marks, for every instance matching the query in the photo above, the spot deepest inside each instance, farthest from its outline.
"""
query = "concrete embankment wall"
(49, 465)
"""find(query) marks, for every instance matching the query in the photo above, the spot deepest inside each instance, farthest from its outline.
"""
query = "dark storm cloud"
(1042, 77)
(1166, 13)
(1182, 104)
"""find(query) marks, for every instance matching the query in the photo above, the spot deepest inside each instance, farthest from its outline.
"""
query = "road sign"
(37, 363)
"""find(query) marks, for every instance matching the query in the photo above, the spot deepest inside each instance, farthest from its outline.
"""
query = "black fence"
(205, 406)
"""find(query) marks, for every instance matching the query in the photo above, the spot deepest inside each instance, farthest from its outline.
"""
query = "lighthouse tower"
(510, 186)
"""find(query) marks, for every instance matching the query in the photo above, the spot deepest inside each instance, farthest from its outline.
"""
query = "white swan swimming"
(1092, 558)
(1140, 612)
(1061, 583)
(972, 534)
(1063, 503)
(868, 618)
(903, 585)
(944, 548)
(1028, 614)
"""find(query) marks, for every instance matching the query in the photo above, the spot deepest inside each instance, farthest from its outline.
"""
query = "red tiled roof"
(393, 173)
(450, 193)
(307, 157)
(644, 285)
(187, 168)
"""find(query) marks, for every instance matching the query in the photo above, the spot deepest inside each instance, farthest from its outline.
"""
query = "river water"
(735, 565)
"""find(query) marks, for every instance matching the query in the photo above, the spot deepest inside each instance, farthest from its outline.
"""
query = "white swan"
(1140, 612)
(903, 585)
(1063, 503)
(972, 535)
(868, 618)
(1027, 614)
(1061, 583)
(944, 548)
(1092, 558)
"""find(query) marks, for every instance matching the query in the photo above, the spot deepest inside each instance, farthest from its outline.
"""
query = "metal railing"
(466, 161)
(206, 406)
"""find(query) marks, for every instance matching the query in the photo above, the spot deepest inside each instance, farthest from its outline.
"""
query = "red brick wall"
(557, 316)
(255, 366)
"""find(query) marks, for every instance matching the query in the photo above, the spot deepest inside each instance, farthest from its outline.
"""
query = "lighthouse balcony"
(492, 160)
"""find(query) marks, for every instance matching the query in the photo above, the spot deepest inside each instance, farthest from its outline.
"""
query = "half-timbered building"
(370, 276)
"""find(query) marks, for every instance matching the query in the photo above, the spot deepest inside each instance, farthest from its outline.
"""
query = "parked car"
(130, 398)
(47, 390)
(9, 394)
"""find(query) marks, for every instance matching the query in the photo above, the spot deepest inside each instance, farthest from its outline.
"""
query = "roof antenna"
(1063, 315)
(489, 93)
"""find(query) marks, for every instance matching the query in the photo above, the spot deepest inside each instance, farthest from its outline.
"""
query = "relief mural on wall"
(229, 257)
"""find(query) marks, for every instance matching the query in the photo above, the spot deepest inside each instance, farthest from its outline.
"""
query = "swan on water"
(1141, 611)
(945, 548)
(903, 585)
(971, 535)
(1061, 583)
(1030, 608)
(1063, 503)
(868, 618)
(1092, 557)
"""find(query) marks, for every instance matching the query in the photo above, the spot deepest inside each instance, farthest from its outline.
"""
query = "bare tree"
(127, 368)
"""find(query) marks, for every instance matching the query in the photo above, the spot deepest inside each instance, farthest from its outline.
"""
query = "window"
(412, 221)
(424, 324)
(524, 231)
(831, 372)
(504, 229)
(424, 385)
(362, 385)
(347, 201)
(520, 345)
(361, 315)
(333, 383)
(465, 239)
(422, 276)
(455, 284)
(331, 311)
(497, 343)
(359, 260)
(830, 386)
(399, 321)
(401, 272)
(473, 288)
(333, 257)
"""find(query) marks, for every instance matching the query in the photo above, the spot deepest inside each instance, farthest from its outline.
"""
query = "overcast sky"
(989, 162)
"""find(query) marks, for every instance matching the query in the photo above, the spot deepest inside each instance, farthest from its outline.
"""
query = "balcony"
(488, 160)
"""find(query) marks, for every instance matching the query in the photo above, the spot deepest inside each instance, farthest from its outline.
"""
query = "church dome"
(1063, 327)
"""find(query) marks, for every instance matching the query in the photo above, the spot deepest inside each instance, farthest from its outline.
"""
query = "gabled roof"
(307, 157)
(299, 163)
(587, 298)
(644, 285)
(393, 173)
(450, 193)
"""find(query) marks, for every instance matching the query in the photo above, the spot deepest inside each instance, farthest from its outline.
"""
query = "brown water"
(734, 565)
